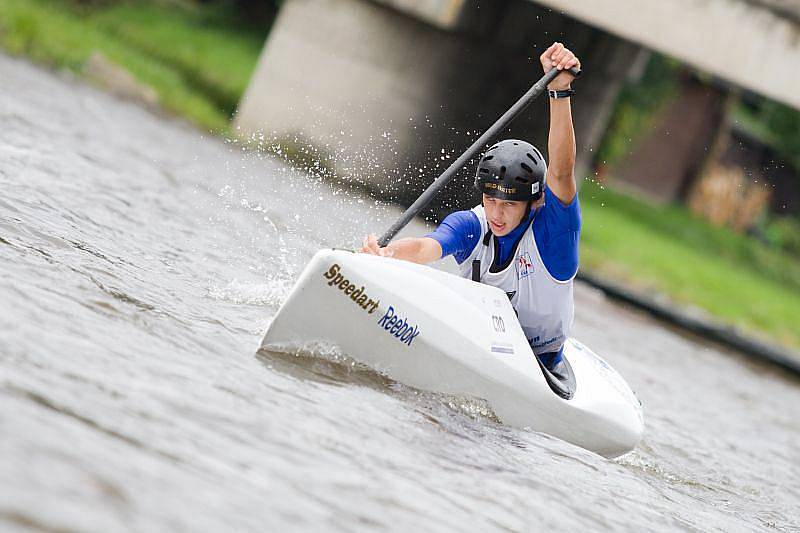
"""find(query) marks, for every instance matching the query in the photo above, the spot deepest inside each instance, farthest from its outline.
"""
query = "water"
(141, 264)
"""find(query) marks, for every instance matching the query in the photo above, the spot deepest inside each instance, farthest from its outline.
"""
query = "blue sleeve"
(458, 234)
(557, 231)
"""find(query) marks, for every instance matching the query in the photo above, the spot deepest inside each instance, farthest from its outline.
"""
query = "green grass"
(197, 59)
(665, 249)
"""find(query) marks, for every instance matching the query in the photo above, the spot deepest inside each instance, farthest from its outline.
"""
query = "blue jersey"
(556, 228)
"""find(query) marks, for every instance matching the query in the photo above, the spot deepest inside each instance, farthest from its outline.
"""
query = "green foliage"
(784, 123)
(215, 60)
(774, 124)
(784, 233)
(734, 277)
(198, 58)
(257, 14)
(636, 108)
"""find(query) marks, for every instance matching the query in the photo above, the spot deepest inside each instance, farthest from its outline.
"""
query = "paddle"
(426, 197)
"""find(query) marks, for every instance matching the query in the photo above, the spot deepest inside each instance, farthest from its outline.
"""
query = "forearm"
(561, 140)
(561, 150)
(422, 250)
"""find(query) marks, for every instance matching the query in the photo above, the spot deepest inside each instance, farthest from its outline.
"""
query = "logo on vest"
(524, 266)
(536, 342)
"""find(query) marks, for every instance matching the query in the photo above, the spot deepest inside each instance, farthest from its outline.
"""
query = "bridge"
(382, 86)
(754, 44)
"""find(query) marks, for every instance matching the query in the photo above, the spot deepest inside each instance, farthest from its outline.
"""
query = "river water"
(141, 264)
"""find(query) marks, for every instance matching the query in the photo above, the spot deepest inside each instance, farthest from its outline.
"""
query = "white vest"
(544, 304)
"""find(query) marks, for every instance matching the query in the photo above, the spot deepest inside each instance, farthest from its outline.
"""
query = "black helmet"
(512, 170)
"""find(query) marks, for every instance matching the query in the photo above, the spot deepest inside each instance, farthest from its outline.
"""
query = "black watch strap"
(566, 93)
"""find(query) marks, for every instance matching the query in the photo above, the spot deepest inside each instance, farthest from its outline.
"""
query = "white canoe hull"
(439, 332)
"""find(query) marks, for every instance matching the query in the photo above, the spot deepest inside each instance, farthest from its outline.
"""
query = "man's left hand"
(559, 57)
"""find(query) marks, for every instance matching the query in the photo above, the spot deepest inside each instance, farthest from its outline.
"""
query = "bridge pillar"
(384, 89)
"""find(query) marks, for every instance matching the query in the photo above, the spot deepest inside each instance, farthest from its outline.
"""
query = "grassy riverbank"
(733, 277)
(198, 59)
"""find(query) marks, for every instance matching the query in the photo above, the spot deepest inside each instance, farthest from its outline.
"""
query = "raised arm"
(561, 140)
(422, 250)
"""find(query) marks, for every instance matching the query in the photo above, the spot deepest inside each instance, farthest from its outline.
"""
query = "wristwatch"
(566, 93)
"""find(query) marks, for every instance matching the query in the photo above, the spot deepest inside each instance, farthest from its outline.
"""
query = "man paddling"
(524, 237)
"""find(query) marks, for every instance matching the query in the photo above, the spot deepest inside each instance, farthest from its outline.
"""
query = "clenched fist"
(559, 57)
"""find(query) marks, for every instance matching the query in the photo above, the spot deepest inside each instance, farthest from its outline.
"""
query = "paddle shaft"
(426, 197)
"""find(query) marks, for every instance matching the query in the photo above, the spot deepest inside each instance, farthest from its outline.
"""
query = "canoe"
(439, 332)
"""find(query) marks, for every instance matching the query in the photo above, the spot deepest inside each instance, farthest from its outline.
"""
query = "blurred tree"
(783, 125)
(250, 12)
(774, 124)
(636, 106)
(784, 233)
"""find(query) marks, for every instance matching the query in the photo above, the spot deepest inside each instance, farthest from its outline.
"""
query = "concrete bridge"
(383, 86)
(754, 44)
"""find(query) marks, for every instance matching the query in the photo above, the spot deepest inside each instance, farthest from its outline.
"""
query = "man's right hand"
(371, 246)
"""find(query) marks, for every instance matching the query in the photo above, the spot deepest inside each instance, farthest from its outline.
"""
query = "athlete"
(523, 238)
